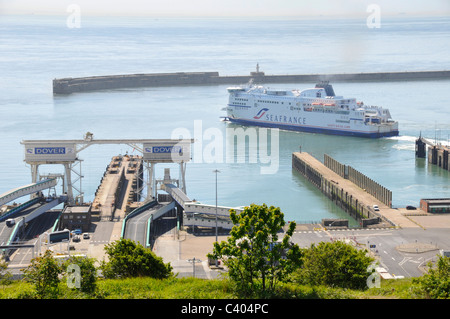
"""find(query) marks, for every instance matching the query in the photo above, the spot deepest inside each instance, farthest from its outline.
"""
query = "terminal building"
(76, 217)
(435, 205)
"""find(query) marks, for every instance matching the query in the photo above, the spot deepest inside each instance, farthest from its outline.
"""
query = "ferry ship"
(315, 110)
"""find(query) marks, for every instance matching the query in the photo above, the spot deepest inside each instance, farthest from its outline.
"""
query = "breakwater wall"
(108, 82)
(357, 202)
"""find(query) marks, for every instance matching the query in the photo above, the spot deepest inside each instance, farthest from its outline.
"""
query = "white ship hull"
(315, 110)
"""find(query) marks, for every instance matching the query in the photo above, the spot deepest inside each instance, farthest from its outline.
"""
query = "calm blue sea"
(37, 49)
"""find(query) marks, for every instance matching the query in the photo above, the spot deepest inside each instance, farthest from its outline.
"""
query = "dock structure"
(66, 153)
(119, 188)
(110, 82)
(356, 201)
(438, 154)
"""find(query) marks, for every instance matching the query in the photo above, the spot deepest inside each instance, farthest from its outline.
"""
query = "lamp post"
(193, 261)
(216, 171)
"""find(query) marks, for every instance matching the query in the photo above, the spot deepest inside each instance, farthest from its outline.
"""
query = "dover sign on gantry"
(165, 149)
(168, 152)
(50, 152)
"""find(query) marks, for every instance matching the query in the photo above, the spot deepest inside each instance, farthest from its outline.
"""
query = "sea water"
(37, 49)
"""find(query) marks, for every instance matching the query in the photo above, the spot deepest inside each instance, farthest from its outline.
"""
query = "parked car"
(410, 207)
(10, 222)
(76, 238)
(86, 236)
(375, 208)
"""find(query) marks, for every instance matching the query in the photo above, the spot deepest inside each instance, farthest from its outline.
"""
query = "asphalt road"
(402, 252)
(136, 228)
(21, 257)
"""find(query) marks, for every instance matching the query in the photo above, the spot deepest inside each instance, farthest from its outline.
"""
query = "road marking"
(405, 259)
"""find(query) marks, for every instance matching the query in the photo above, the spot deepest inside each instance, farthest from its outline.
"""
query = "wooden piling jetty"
(335, 183)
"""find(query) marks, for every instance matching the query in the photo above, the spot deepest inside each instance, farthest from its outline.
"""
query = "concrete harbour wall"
(108, 82)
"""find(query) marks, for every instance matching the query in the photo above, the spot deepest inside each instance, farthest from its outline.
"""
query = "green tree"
(128, 259)
(43, 273)
(87, 280)
(436, 283)
(335, 264)
(5, 276)
(255, 257)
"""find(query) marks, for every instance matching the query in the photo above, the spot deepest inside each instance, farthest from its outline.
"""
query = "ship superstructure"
(317, 110)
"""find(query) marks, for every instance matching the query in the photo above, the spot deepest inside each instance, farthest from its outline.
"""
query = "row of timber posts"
(381, 193)
(373, 188)
(346, 201)
(307, 171)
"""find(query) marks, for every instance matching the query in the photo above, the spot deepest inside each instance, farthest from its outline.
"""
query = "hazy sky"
(254, 8)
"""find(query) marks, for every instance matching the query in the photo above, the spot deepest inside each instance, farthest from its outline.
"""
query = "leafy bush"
(334, 264)
(43, 273)
(87, 273)
(436, 283)
(128, 259)
(5, 275)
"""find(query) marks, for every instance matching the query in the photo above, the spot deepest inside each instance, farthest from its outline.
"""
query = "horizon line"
(252, 16)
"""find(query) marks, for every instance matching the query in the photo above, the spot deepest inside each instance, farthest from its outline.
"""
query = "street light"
(193, 264)
(216, 171)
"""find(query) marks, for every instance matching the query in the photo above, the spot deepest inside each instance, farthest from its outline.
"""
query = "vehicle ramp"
(9, 234)
(29, 189)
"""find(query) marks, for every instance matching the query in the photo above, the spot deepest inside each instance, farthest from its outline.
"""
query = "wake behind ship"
(315, 110)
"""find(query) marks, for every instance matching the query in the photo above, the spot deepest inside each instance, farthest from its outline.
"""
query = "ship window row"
(238, 99)
(264, 101)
